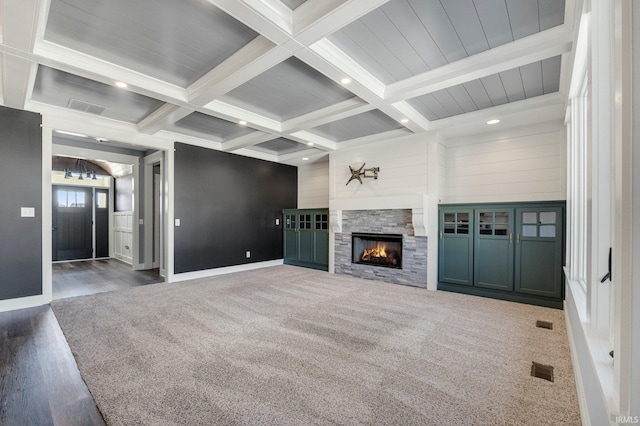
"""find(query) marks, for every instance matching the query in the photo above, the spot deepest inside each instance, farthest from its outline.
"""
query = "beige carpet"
(287, 345)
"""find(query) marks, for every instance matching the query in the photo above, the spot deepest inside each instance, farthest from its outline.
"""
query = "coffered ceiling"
(287, 79)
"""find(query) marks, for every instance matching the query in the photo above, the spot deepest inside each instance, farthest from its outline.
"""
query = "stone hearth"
(381, 221)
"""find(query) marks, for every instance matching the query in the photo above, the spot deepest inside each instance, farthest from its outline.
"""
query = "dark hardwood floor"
(40, 383)
(72, 279)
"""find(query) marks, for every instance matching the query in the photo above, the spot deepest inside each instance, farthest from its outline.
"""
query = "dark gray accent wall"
(227, 205)
(21, 177)
(124, 194)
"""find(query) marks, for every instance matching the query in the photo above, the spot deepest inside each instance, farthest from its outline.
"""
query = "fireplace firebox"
(383, 250)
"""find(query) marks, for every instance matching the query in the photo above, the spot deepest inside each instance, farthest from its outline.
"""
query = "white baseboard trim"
(225, 270)
(582, 396)
(23, 302)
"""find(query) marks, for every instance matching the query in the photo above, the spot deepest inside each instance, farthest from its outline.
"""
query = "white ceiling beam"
(317, 141)
(260, 19)
(317, 19)
(247, 141)
(344, 109)
(378, 137)
(298, 155)
(252, 60)
(275, 11)
(417, 122)
(19, 27)
(62, 58)
(328, 59)
(235, 114)
(543, 45)
(163, 117)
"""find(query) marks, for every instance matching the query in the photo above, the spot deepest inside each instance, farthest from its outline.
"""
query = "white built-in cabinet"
(123, 236)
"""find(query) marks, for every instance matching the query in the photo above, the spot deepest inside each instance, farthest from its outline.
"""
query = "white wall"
(403, 169)
(526, 164)
(313, 185)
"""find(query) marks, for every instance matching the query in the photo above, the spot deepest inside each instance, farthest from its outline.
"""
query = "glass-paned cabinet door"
(290, 221)
(494, 222)
(305, 220)
(455, 223)
(321, 221)
(538, 224)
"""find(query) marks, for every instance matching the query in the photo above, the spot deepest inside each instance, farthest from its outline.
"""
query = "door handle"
(440, 235)
(518, 238)
(607, 276)
(510, 237)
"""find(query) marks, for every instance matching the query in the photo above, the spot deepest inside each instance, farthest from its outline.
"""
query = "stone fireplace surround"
(404, 215)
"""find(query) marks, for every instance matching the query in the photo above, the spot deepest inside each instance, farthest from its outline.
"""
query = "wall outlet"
(248, 254)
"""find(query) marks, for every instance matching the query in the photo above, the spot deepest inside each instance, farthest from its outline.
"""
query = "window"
(73, 199)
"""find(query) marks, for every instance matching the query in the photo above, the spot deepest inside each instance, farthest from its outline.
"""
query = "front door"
(72, 223)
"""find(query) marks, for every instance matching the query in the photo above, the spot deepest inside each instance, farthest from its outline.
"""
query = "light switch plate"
(277, 221)
(177, 222)
(27, 212)
(248, 254)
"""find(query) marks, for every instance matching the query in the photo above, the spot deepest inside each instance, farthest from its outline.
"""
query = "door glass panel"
(449, 228)
(463, 218)
(62, 198)
(449, 217)
(501, 229)
(486, 229)
(502, 217)
(529, 231)
(547, 217)
(463, 229)
(486, 217)
(71, 201)
(529, 217)
(548, 231)
(80, 199)
(101, 200)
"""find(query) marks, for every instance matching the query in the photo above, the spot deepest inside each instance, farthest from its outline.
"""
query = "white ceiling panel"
(59, 88)
(205, 126)
(173, 41)
(467, 25)
(288, 90)
(357, 126)
(509, 86)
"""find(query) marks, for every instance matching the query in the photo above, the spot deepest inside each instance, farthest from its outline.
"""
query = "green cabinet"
(306, 238)
(506, 251)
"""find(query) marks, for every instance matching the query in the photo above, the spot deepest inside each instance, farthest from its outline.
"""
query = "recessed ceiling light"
(345, 80)
(305, 159)
(121, 84)
(242, 123)
(309, 143)
(404, 120)
(64, 132)
(494, 121)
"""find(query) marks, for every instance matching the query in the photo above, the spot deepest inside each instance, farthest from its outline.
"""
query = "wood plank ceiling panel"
(59, 88)
(532, 79)
(523, 15)
(478, 93)
(365, 124)
(462, 98)
(512, 83)
(435, 19)
(173, 41)
(281, 146)
(199, 124)
(465, 20)
(495, 21)
(288, 90)
(293, 4)
(551, 74)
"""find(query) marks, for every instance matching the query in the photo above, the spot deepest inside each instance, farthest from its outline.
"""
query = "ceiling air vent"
(85, 106)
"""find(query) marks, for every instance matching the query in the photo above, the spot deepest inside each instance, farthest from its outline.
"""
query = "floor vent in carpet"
(542, 371)
(544, 324)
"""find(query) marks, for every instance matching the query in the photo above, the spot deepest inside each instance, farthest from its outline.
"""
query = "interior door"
(72, 223)
(539, 251)
(493, 258)
(455, 260)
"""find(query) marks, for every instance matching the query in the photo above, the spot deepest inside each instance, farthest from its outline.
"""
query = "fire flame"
(378, 251)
